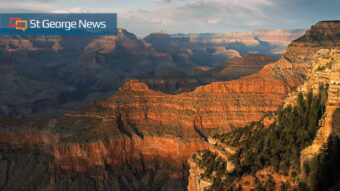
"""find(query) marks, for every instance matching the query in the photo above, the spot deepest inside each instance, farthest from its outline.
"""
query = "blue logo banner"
(58, 24)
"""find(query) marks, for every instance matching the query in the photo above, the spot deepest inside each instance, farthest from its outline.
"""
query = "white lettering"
(82, 24)
(67, 25)
(103, 24)
(33, 24)
(92, 25)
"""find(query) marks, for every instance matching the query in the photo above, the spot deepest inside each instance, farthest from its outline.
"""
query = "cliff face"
(139, 131)
(302, 58)
(75, 150)
(239, 101)
(165, 156)
(324, 34)
(237, 67)
(203, 108)
(41, 43)
(71, 72)
(195, 181)
(176, 82)
(325, 70)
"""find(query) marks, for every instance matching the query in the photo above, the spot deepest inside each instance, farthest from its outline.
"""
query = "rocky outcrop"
(195, 181)
(150, 130)
(324, 34)
(176, 81)
(103, 152)
(223, 151)
(237, 67)
(83, 69)
(302, 59)
(160, 40)
(75, 71)
(72, 71)
(203, 108)
(139, 129)
(39, 43)
(326, 70)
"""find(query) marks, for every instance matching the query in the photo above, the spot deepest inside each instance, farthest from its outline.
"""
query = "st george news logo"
(58, 24)
(17, 23)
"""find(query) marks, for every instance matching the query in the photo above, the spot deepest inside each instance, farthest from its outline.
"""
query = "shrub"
(280, 144)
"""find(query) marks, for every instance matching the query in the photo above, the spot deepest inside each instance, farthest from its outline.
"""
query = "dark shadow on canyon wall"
(327, 176)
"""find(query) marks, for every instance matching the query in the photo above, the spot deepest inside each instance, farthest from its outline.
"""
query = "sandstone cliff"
(237, 67)
(304, 58)
(83, 69)
(176, 81)
(325, 70)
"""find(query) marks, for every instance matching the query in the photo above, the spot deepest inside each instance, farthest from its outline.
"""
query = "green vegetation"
(320, 68)
(278, 145)
(212, 163)
(329, 65)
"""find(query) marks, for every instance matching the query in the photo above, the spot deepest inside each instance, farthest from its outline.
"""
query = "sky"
(142, 17)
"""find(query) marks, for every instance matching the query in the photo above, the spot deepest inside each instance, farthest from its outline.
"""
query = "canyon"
(325, 70)
(141, 139)
(267, 42)
(62, 73)
(176, 81)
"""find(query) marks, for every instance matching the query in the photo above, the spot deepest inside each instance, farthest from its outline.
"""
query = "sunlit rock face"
(312, 59)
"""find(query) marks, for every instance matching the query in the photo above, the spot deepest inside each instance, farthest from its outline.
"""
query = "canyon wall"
(325, 70)
(317, 66)
(53, 75)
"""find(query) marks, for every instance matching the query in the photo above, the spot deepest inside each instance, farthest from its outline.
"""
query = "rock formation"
(237, 67)
(88, 68)
(275, 41)
(324, 70)
(176, 81)
(300, 57)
